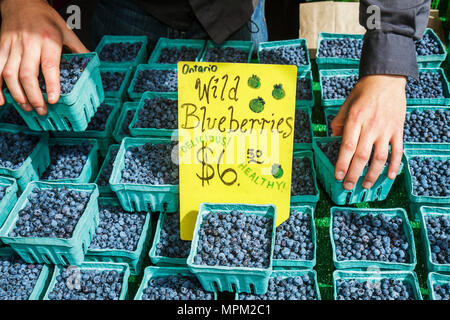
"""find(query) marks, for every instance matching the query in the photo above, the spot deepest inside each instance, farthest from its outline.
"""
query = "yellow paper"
(235, 128)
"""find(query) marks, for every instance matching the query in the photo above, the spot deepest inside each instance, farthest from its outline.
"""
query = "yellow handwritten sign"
(235, 131)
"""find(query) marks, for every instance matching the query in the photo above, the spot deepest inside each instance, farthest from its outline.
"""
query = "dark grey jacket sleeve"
(389, 41)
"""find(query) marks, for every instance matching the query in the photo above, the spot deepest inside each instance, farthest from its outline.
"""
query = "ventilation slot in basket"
(53, 124)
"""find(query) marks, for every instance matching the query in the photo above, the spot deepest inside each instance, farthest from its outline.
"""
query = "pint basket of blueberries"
(8, 197)
(232, 247)
(235, 51)
(171, 51)
(430, 50)
(104, 173)
(438, 286)
(153, 78)
(115, 81)
(427, 178)
(120, 236)
(81, 94)
(53, 223)
(376, 285)
(124, 119)
(431, 88)
(326, 151)
(304, 189)
(384, 239)
(291, 52)
(122, 51)
(336, 85)
(94, 281)
(435, 230)
(304, 93)
(144, 177)
(338, 51)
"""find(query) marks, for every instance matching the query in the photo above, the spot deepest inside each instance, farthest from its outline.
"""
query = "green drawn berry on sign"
(278, 91)
(254, 82)
(257, 105)
(277, 171)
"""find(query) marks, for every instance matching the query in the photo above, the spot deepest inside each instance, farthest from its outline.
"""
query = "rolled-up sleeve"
(389, 46)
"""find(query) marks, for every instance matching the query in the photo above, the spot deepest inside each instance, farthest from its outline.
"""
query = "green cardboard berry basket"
(435, 278)
(9, 199)
(376, 264)
(3, 109)
(325, 170)
(433, 101)
(415, 201)
(104, 137)
(161, 272)
(305, 102)
(141, 55)
(54, 250)
(120, 94)
(140, 197)
(175, 43)
(41, 282)
(105, 191)
(152, 132)
(34, 165)
(432, 211)
(237, 44)
(304, 145)
(335, 62)
(136, 96)
(301, 264)
(332, 111)
(286, 274)
(409, 277)
(73, 110)
(90, 166)
(133, 258)
(118, 132)
(232, 279)
(307, 199)
(121, 268)
(428, 145)
(341, 73)
(161, 260)
(286, 43)
(433, 60)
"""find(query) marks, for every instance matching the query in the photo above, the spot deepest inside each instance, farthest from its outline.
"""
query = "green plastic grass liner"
(433, 60)
(90, 166)
(9, 199)
(232, 279)
(329, 112)
(301, 264)
(161, 260)
(286, 274)
(335, 62)
(286, 43)
(178, 44)
(335, 189)
(104, 137)
(341, 73)
(120, 94)
(408, 277)
(371, 264)
(133, 258)
(306, 199)
(305, 102)
(415, 201)
(142, 197)
(151, 132)
(161, 272)
(73, 110)
(141, 55)
(433, 101)
(118, 133)
(33, 166)
(41, 282)
(304, 145)
(106, 190)
(237, 44)
(432, 212)
(121, 268)
(433, 279)
(136, 96)
(429, 145)
(54, 250)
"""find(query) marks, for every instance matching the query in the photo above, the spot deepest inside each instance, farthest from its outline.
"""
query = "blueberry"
(120, 51)
(386, 289)
(341, 48)
(156, 80)
(302, 127)
(438, 229)
(430, 177)
(105, 174)
(173, 55)
(427, 46)
(158, 113)
(226, 54)
(302, 177)
(98, 121)
(126, 122)
(427, 126)
(11, 116)
(294, 55)
(338, 87)
(15, 148)
(304, 90)
(442, 291)
(170, 245)
(429, 86)
(112, 81)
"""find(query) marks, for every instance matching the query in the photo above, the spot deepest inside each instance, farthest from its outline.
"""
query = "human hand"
(32, 35)
(373, 115)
